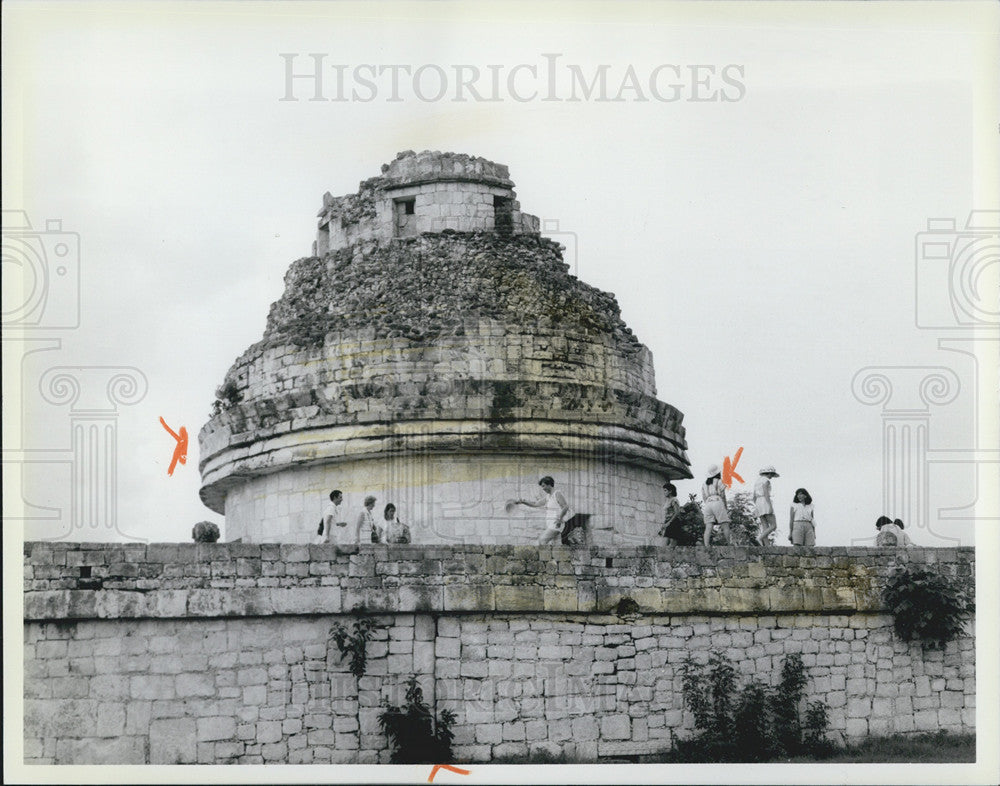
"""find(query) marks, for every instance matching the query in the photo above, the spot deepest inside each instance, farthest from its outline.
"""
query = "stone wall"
(222, 653)
(446, 191)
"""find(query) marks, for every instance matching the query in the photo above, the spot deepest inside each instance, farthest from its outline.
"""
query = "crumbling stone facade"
(222, 653)
(437, 353)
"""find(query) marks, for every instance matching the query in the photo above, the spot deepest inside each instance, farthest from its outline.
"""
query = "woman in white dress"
(366, 527)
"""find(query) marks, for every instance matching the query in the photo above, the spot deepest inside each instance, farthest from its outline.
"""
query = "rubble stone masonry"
(222, 653)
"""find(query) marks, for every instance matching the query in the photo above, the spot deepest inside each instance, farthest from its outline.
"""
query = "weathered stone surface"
(173, 741)
(448, 327)
(475, 578)
(227, 680)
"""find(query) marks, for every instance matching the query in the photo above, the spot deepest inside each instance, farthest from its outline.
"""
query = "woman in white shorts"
(762, 501)
(714, 509)
(802, 520)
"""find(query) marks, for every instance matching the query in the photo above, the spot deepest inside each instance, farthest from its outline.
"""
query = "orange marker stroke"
(729, 469)
(437, 767)
(180, 450)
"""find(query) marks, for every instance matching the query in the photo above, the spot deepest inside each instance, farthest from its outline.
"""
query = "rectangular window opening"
(503, 219)
(405, 216)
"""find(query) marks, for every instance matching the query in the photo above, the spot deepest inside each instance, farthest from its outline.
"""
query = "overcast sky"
(762, 247)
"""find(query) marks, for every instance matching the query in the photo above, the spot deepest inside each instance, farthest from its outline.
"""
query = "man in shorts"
(556, 510)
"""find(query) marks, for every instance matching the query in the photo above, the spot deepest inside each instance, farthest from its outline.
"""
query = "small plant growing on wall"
(927, 605)
(226, 395)
(205, 532)
(353, 643)
(415, 735)
(756, 723)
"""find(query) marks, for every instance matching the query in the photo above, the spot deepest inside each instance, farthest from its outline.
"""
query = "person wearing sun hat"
(762, 501)
(714, 509)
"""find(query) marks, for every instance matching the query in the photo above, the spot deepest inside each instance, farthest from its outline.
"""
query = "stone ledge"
(41, 552)
(213, 580)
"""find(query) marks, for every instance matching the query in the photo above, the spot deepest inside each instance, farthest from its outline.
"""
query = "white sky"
(762, 249)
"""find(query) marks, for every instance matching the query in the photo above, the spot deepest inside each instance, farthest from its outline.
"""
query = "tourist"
(890, 533)
(802, 520)
(762, 501)
(332, 517)
(714, 509)
(671, 529)
(556, 510)
(366, 523)
(395, 530)
(906, 538)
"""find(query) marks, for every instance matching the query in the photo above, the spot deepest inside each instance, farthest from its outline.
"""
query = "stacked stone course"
(222, 653)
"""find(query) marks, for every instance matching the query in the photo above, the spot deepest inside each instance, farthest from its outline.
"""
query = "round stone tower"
(436, 353)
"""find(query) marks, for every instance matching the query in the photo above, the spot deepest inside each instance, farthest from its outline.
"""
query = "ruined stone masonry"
(437, 353)
(222, 653)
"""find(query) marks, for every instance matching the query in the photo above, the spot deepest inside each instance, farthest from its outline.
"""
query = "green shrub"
(753, 724)
(756, 724)
(927, 605)
(814, 739)
(414, 734)
(743, 518)
(742, 521)
(205, 532)
(786, 701)
(691, 522)
(354, 643)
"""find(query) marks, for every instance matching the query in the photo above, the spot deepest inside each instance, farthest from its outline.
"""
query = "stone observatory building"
(436, 353)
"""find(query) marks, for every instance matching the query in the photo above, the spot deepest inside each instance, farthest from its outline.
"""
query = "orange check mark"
(180, 449)
(437, 767)
(729, 469)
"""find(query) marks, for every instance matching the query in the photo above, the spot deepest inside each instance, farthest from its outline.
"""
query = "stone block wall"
(355, 365)
(449, 191)
(436, 207)
(222, 653)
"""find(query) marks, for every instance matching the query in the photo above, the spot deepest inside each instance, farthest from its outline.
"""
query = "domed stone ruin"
(436, 352)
